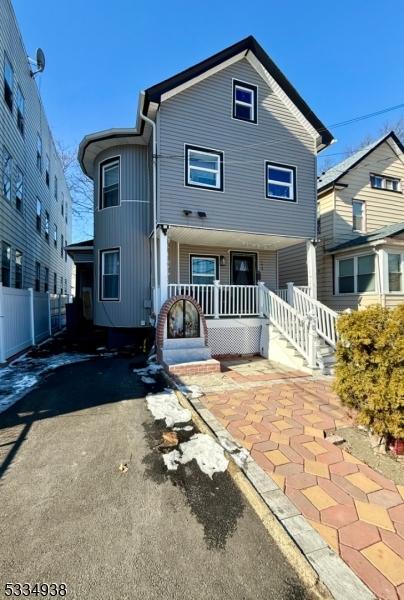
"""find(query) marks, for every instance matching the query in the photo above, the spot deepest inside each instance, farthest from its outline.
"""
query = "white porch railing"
(297, 329)
(221, 300)
(325, 317)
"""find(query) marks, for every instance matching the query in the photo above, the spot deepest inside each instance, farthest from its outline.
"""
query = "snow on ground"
(165, 406)
(25, 372)
(201, 447)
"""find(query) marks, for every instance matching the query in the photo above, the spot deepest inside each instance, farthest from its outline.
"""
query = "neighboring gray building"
(35, 204)
(218, 175)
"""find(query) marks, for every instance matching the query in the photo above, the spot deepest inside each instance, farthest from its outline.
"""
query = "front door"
(243, 268)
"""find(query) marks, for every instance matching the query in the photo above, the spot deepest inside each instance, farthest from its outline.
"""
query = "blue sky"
(343, 57)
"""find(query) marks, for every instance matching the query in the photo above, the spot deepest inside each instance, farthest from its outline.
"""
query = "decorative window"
(55, 188)
(18, 269)
(7, 169)
(47, 226)
(8, 83)
(109, 183)
(395, 270)
(203, 168)
(358, 216)
(46, 282)
(356, 275)
(183, 320)
(244, 101)
(280, 182)
(47, 170)
(37, 276)
(39, 152)
(110, 274)
(20, 103)
(204, 269)
(55, 235)
(19, 188)
(380, 182)
(5, 263)
(38, 215)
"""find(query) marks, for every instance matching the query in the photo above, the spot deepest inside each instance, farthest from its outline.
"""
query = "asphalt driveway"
(68, 514)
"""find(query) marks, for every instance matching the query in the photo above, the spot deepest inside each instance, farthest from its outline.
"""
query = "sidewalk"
(281, 417)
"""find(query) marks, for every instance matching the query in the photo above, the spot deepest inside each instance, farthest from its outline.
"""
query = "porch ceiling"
(230, 239)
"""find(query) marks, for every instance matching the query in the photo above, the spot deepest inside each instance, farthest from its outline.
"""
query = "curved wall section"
(125, 227)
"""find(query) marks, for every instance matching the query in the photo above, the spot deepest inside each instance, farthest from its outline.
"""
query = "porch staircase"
(307, 327)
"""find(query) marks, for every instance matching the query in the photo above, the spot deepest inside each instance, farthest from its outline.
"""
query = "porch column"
(163, 267)
(311, 268)
(383, 272)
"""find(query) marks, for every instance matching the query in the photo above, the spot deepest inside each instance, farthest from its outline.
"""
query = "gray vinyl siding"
(125, 227)
(19, 228)
(266, 263)
(292, 265)
(202, 116)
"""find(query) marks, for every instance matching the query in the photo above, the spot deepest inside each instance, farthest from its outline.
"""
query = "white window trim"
(384, 179)
(355, 275)
(214, 257)
(387, 285)
(108, 162)
(292, 186)
(7, 173)
(248, 87)
(102, 253)
(363, 203)
(219, 187)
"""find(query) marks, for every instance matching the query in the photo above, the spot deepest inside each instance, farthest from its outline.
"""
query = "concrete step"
(198, 342)
(173, 356)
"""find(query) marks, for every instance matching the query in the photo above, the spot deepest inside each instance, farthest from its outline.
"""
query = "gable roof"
(336, 172)
(155, 92)
(374, 236)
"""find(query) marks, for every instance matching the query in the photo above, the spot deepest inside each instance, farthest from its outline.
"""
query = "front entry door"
(243, 269)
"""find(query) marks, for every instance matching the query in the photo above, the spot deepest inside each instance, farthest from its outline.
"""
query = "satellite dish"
(40, 60)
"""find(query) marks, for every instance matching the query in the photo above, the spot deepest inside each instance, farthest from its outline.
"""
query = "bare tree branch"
(80, 186)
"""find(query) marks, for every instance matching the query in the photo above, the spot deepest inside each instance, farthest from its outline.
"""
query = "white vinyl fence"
(28, 318)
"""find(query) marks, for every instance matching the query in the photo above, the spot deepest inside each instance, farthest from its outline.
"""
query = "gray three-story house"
(35, 204)
(217, 176)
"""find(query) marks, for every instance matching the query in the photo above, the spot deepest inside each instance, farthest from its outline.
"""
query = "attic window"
(381, 182)
(244, 101)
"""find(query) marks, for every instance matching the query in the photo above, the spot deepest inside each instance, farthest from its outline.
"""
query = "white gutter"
(154, 147)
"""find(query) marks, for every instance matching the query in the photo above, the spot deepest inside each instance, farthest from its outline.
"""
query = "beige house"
(360, 249)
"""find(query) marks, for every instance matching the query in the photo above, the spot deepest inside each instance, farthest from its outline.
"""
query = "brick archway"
(162, 319)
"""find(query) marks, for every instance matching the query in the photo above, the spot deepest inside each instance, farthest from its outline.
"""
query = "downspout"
(154, 148)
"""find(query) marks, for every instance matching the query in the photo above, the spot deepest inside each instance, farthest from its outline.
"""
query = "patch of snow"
(239, 454)
(149, 370)
(148, 380)
(165, 406)
(201, 447)
(186, 428)
(25, 372)
(192, 391)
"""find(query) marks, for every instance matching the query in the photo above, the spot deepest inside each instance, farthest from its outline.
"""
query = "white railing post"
(2, 326)
(216, 286)
(32, 315)
(312, 350)
(289, 287)
(49, 314)
(261, 286)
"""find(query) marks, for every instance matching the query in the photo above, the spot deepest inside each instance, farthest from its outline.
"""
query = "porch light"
(201, 213)
(187, 212)
(222, 261)
(164, 229)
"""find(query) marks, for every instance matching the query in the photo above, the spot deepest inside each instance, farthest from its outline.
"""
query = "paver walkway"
(282, 418)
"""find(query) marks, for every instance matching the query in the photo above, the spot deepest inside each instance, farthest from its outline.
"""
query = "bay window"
(395, 271)
(356, 275)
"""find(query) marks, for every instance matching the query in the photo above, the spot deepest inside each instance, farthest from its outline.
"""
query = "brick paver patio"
(282, 418)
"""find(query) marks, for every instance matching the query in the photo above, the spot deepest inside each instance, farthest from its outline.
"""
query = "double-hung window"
(204, 269)
(55, 235)
(356, 275)
(37, 276)
(280, 182)
(38, 215)
(396, 272)
(20, 102)
(7, 170)
(46, 281)
(47, 170)
(110, 183)
(5, 264)
(39, 152)
(244, 101)
(19, 188)
(18, 269)
(110, 274)
(358, 216)
(381, 182)
(8, 83)
(203, 168)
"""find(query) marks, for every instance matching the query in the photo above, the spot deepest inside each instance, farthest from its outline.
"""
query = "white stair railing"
(325, 317)
(297, 329)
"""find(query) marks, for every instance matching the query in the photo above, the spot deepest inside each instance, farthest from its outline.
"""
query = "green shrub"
(370, 367)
